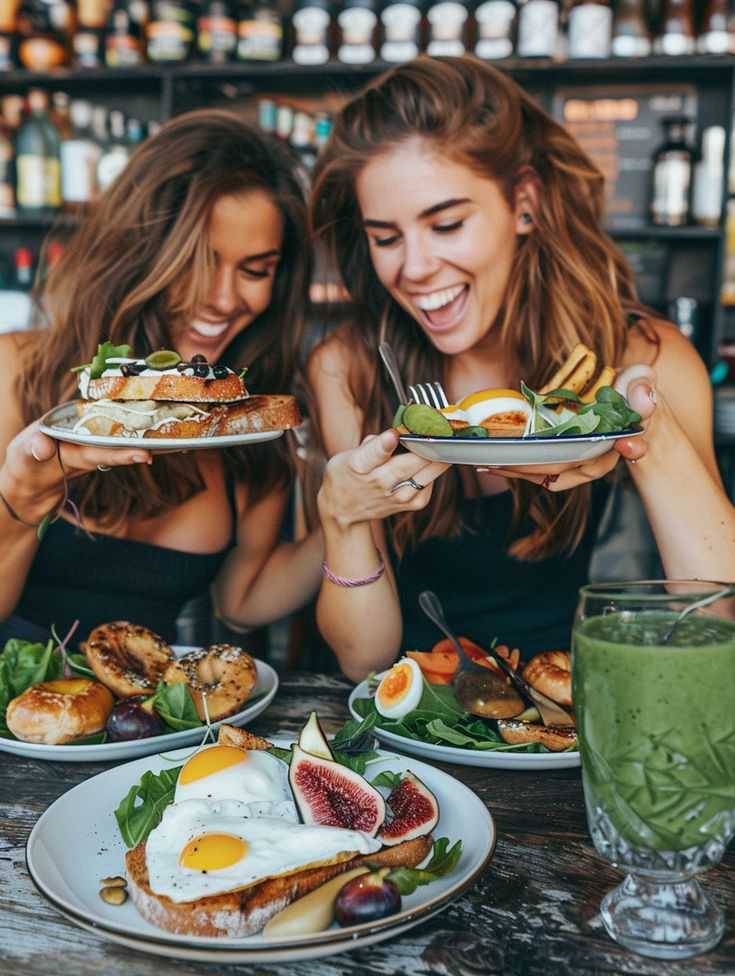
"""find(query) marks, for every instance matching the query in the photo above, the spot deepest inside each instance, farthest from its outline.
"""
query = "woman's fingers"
(638, 385)
(374, 451)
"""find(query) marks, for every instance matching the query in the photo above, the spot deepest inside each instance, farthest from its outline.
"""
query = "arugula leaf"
(442, 862)
(105, 351)
(440, 700)
(96, 738)
(356, 761)
(387, 778)
(352, 731)
(175, 706)
(143, 807)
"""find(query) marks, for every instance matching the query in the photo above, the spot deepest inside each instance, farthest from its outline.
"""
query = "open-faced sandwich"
(162, 396)
(246, 837)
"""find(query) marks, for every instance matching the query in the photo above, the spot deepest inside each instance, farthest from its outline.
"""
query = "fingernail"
(140, 459)
(33, 452)
(652, 395)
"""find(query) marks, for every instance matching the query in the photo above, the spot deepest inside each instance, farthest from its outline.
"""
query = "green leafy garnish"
(443, 861)
(105, 352)
(609, 413)
(387, 778)
(175, 706)
(143, 807)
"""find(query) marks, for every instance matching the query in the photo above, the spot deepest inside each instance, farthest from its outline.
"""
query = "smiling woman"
(199, 248)
(467, 225)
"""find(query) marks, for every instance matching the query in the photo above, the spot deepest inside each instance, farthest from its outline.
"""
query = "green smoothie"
(656, 725)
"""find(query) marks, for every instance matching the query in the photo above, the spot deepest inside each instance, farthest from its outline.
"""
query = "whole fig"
(366, 898)
(129, 719)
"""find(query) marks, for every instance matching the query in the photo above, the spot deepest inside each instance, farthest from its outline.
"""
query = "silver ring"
(103, 468)
(408, 483)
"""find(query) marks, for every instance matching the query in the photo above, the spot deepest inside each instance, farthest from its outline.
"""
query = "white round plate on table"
(76, 842)
(266, 686)
(506, 451)
(59, 423)
(490, 758)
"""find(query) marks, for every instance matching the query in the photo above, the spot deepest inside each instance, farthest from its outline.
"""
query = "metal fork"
(431, 393)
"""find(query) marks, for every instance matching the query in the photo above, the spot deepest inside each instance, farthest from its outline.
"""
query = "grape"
(365, 898)
(129, 720)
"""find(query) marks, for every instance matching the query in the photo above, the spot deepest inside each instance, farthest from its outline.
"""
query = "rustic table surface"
(533, 911)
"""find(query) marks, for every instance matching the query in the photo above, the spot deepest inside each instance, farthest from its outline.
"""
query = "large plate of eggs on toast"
(412, 707)
(127, 694)
(167, 403)
(574, 417)
(246, 860)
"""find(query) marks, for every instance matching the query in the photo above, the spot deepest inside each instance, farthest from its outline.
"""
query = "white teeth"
(430, 303)
(209, 330)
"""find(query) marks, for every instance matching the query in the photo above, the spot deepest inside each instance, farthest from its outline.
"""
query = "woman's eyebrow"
(429, 212)
(275, 253)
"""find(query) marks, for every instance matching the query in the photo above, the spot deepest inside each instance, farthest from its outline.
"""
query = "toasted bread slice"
(277, 411)
(236, 914)
(230, 735)
(575, 372)
(510, 423)
(147, 418)
(168, 386)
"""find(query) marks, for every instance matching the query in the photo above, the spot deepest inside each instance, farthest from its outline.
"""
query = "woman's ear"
(525, 201)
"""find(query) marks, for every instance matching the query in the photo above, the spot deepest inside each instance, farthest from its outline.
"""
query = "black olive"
(220, 372)
(201, 369)
(182, 367)
(125, 370)
(199, 358)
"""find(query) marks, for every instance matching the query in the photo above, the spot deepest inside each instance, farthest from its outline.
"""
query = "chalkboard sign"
(620, 127)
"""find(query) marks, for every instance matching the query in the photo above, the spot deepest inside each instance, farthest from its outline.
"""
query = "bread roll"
(55, 712)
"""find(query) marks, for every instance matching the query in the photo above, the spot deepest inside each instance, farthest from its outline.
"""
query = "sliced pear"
(312, 913)
(313, 740)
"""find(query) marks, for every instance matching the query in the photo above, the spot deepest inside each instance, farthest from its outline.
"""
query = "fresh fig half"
(332, 795)
(313, 740)
(414, 810)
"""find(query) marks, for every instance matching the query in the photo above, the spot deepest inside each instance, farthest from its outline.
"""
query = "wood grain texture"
(532, 913)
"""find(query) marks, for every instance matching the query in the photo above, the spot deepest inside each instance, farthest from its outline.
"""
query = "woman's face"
(246, 236)
(442, 240)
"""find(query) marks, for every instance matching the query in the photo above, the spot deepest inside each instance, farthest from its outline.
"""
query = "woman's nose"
(419, 259)
(223, 294)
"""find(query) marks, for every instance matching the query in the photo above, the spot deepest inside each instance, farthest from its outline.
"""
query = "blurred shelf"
(690, 232)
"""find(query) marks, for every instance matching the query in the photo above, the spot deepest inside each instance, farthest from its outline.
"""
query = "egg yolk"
(213, 852)
(480, 395)
(395, 684)
(210, 761)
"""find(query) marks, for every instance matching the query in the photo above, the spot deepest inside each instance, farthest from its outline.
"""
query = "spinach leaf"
(28, 664)
(387, 778)
(175, 706)
(105, 351)
(442, 862)
(143, 807)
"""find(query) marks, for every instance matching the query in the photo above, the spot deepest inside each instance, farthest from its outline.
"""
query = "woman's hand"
(638, 385)
(369, 482)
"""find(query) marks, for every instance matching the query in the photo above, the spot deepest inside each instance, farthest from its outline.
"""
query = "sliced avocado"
(472, 433)
(398, 416)
(163, 359)
(426, 421)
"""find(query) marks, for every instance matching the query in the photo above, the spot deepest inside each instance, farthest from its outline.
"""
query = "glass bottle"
(672, 174)
(42, 37)
(259, 32)
(7, 170)
(23, 268)
(115, 154)
(8, 35)
(709, 175)
(60, 114)
(676, 28)
(170, 32)
(631, 37)
(312, 26)
(38, 168)
(589, 31)
(358, 24)
(123, 37)
(79, 154)
(447, 20)
(89, 37)
(401, 23)
(216, 32)
(538, 29)
(495, 22)
(714, 34)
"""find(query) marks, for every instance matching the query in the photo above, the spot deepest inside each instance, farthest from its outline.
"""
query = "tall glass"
(656, 723)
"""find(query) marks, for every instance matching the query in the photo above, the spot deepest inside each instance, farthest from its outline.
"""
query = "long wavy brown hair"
(140, 261)
(569, 282)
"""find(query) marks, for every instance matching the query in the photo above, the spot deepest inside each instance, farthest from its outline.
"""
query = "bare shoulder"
(330, 359)
(659, 344)
(13, 345)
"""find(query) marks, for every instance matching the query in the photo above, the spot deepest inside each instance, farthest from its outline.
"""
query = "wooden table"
(532, 913)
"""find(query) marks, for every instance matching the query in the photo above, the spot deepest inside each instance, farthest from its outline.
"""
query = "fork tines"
(430, 393)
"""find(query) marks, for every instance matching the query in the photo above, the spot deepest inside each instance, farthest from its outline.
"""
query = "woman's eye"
(448, 228)
(257, 273)
(385, 241)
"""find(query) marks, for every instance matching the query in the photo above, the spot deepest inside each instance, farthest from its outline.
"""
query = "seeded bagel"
(127, 658)
(55, 712)
(222, 673)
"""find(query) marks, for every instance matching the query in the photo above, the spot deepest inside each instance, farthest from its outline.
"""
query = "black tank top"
(104, 578)
(488, 594)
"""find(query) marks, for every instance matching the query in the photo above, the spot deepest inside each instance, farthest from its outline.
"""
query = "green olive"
(163, 359)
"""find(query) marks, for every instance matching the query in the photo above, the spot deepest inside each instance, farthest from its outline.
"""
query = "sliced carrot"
(443, 662)
(434, 678)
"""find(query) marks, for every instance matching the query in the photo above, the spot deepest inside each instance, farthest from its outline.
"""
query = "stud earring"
(526, 218)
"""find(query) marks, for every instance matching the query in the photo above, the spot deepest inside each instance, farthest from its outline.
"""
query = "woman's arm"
(262, 581)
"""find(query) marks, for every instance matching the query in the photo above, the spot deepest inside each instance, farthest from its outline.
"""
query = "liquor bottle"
(303, 146)
(259, 32)
(42, 37)
(401, 23)
(170, 32)
(134, 133)
(267, 114)
(672, 174)
(16, 304)
(358, 25)
(676, 28)
(7, 170)
(38, 169)
(538, 29)
(216, 32)
(89, 37)
(709, 175)
(23, 268)
(79, 155)
(589, 30)
(447, 21)
(715, 37)
(631, 37)
(60, 114)
(495, 22)
(312, 26)
(115, 154)
(123, 37)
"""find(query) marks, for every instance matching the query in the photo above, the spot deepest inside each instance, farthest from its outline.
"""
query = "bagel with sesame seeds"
(222, 676)
(127, 658)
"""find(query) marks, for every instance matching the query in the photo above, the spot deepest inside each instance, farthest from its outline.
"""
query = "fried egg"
(206, 847)
(220, 772)
(400, 689)
(483, 404)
